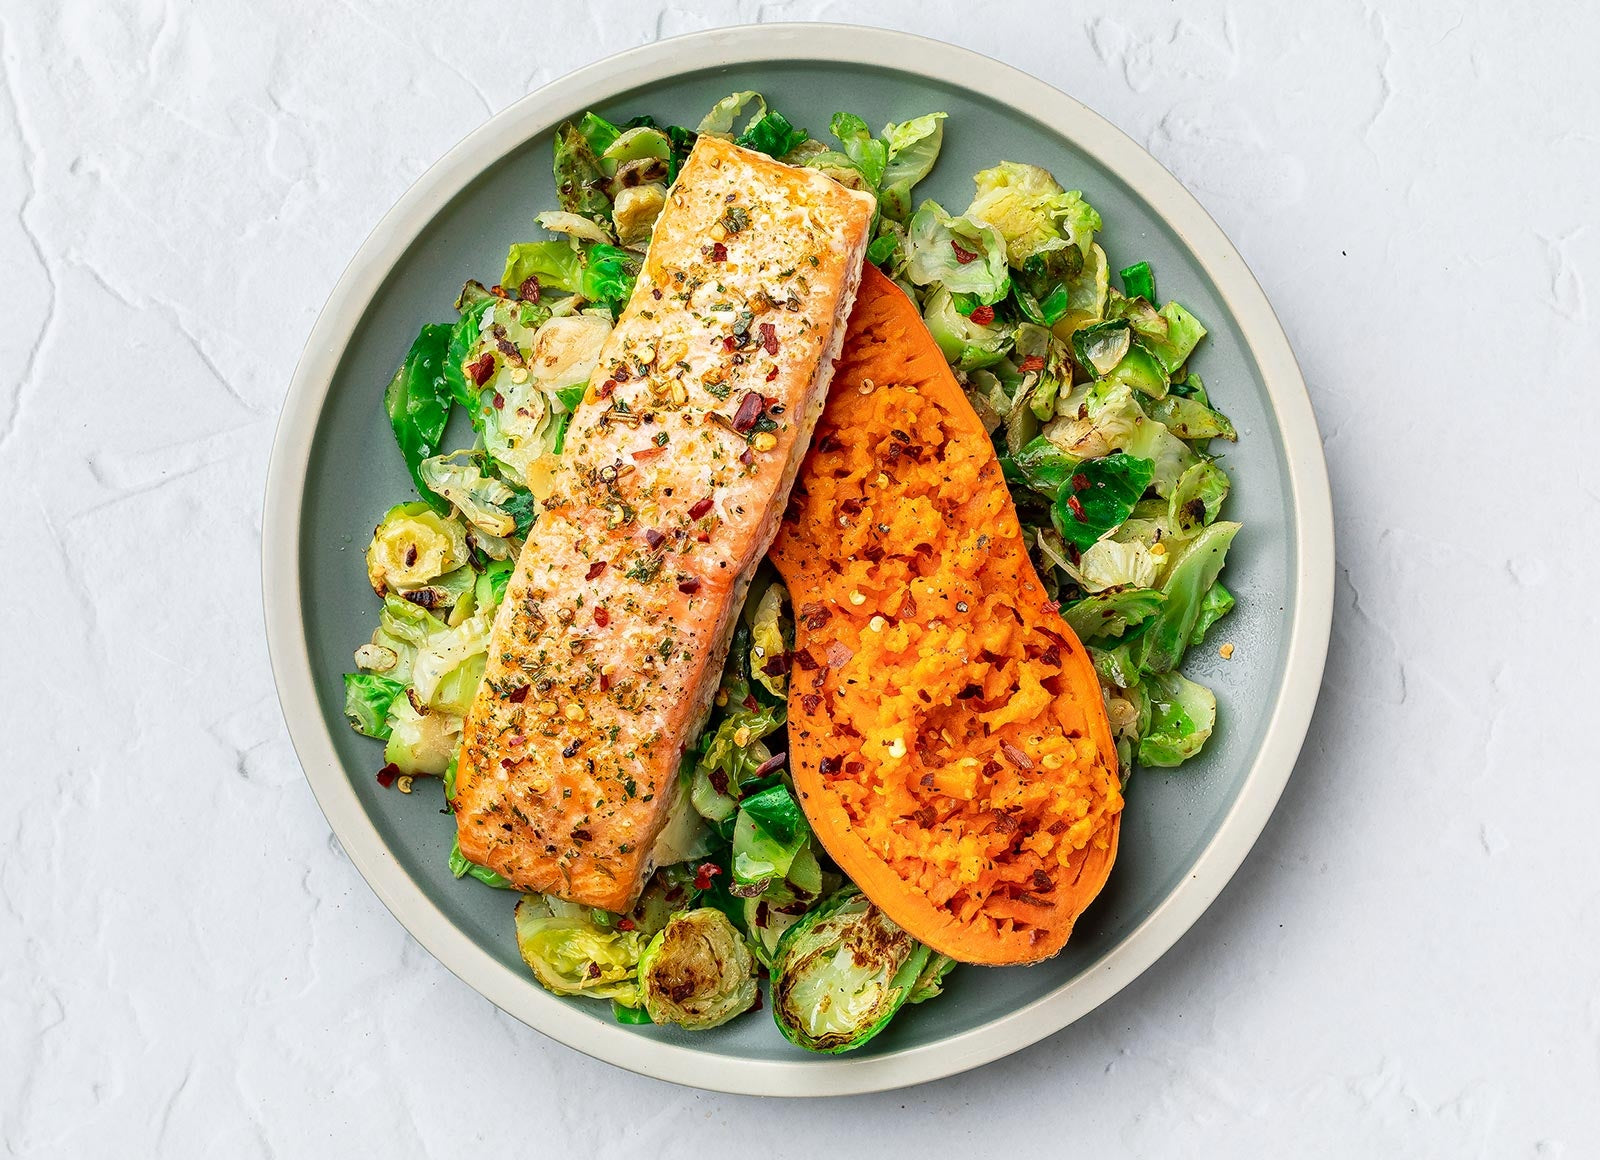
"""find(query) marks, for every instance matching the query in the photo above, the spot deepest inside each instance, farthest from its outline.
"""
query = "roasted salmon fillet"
(678, 463)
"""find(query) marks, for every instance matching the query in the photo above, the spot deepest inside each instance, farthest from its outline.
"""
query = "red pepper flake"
(719, 252)
(983, 315)
(704, 875)
(772, 763)
(1043, 882)
(816, 615)
(530, 289)
(647, 453)
(772, 374)
(480, 368)
(621, 373)
(806, 661)
(747, 457)
(1051, 656)
(595, 570)
(769, 337)
(1032, 363)
(605, 682)
(625, 924)
(1015, 756)
(728, 344)
(594, 970)
(689, 585)
(1080, 482)
(925, 817)
(700, 508)
(830, 765)
(387, 774)
(499, 401)
(963, 256)
(810, 702)
(601, 616)
(604, 389)
(776, 666)
(653, 538)
(1077, 509)
(498, 290)
(750, 407)
(751, 703)
(518, 695)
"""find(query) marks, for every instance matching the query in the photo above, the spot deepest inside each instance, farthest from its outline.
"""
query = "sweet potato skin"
(947, 734)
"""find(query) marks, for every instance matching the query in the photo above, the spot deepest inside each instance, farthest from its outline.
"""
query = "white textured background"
(1408, 964)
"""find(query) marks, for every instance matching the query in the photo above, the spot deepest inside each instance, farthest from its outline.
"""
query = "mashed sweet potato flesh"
(947, 734)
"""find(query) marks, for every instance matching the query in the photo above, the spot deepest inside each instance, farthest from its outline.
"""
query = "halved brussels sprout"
(571, 954)
(697, 971)
(636, 211)
(841, 973)
(413, 545)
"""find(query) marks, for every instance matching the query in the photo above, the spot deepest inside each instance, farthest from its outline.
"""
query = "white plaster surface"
(1407, 965)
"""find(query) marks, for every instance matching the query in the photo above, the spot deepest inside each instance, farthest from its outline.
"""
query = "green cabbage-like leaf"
(1099, 496)
(367, 698)
(1182, 716)
(961, 255)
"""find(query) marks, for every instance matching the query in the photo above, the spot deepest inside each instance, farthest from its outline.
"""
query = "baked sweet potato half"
(947, 734)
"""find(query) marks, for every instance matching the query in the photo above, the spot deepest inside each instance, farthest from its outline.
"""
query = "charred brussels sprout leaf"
(841, 973)
(697, 971)
(580, 181)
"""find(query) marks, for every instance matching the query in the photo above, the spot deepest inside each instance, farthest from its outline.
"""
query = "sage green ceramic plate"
(335, 469)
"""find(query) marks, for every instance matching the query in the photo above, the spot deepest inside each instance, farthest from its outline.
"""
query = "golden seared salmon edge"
(676, 470)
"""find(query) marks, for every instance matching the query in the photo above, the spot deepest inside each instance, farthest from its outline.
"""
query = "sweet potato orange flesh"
(947, 734)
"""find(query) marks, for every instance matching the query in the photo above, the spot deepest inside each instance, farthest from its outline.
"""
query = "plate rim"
(1306, 640)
